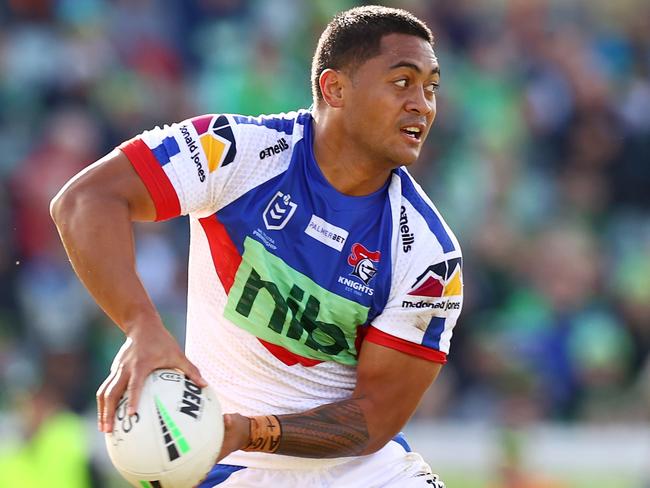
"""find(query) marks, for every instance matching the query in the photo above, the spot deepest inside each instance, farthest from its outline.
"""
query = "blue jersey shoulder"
(412, 192)
(279, 122)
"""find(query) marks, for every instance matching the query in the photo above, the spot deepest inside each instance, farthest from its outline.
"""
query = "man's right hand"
(102, 253)
(146, 348)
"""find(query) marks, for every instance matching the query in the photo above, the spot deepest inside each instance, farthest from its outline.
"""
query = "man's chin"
(407, 158)
(409, 162)
(399, 156)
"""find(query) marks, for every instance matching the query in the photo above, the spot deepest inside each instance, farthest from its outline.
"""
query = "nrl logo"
(363, 262)
(278, 212)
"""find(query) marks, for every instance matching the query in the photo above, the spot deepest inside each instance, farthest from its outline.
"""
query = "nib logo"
(439, 280)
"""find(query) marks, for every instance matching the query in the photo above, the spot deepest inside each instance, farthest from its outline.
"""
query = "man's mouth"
(412, 132)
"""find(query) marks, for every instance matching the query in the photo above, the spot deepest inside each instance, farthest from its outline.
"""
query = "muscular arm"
(389, 387)
(93, 213)
(334, 430)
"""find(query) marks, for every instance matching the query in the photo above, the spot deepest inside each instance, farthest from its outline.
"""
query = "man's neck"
(345, 165)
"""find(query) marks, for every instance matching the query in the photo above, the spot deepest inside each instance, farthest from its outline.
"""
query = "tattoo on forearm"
(334, 430)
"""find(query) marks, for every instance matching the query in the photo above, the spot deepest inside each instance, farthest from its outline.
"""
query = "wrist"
(236, 432)
(142, 322)
(265, 432)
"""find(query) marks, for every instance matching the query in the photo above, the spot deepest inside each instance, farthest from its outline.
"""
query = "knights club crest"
(278, 212)
(363, 262)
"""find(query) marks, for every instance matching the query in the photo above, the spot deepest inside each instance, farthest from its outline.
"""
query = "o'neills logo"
(277, 148)
(363, 262)
(407, 236)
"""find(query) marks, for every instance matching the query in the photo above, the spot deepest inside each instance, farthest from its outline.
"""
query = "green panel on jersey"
(284, 307)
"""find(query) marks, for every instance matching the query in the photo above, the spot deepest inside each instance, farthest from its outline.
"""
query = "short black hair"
(354, 36)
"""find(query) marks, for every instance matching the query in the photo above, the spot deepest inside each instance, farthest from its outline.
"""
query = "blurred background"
(539, 159)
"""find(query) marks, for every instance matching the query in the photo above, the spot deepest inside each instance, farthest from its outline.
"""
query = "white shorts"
(393, 466)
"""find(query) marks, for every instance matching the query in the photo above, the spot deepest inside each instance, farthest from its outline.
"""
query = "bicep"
(112, 178)
(391, 384)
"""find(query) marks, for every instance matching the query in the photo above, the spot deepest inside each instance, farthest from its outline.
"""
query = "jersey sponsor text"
(327, 233)
(284, 307)
(195, 154)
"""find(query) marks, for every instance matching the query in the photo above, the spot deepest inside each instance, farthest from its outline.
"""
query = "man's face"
(391, 102)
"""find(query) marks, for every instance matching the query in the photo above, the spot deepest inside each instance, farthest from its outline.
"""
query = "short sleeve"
(426, 294)
(422, 311)
(185, 165)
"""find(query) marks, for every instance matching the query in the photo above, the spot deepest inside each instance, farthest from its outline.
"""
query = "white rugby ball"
(174, 438)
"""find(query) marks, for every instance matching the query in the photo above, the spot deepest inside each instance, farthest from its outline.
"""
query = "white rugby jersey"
(288, 276)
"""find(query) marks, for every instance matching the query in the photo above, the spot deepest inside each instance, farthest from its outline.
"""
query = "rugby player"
(323, 283)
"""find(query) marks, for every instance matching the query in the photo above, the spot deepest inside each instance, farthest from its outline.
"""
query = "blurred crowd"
(539, 160)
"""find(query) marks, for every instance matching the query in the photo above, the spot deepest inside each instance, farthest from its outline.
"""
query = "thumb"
(193, 373)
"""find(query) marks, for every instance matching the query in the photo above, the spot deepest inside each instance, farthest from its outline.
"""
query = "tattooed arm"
(333, 430)
(389, 387)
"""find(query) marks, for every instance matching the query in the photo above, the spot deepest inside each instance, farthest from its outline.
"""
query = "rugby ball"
(174, 438)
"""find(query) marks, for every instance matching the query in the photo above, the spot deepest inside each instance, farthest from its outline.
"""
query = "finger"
(193, 373)
(112, 396)
(133, 391)
(117, 360)
(101, 391)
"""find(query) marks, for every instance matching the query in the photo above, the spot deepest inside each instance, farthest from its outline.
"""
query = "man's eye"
(401, 83)
(433, 87)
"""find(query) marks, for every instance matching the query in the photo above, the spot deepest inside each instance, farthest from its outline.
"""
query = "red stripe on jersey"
(154, 178)
(287, 357)
(362, 330)
(224, 253)
(226, 261)
(379, 337)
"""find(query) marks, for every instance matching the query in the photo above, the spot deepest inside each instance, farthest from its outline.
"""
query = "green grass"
(468, 480)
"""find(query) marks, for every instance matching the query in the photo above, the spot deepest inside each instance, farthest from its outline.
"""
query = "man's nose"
(419, 103)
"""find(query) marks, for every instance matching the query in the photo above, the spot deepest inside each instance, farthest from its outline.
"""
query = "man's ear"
(332, 83)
